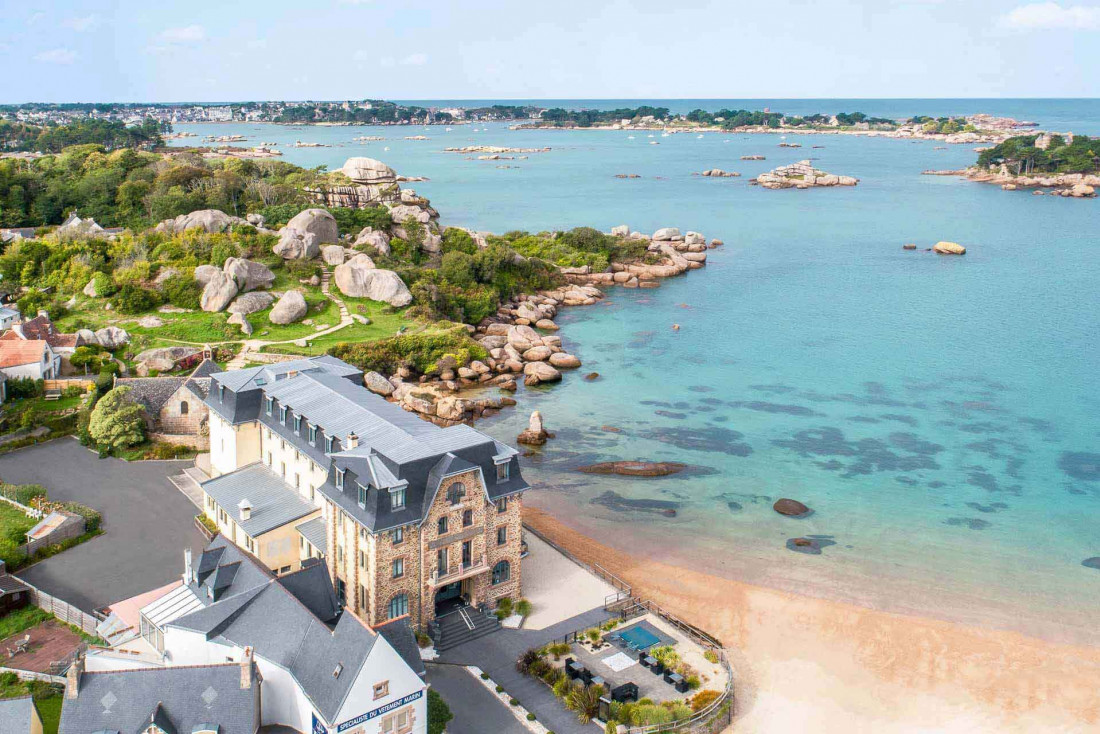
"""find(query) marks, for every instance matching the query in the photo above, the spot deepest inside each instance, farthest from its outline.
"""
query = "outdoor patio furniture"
(625, 692)
(598, 681)
(642, 657)
(673, 677)
(682, 686)
(586, 676)
(648, 661)
(573, 669)
(658, 668)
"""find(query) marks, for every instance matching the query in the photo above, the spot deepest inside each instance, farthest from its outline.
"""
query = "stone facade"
(184, 414)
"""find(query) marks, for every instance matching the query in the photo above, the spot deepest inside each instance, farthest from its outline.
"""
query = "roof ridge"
(354, 404)
(151, 669)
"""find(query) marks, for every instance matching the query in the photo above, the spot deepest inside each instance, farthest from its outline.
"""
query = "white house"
(33, 358)
(8, 317)
(323, 671)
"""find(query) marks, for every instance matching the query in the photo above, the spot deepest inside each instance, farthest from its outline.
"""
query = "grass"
(49, 710)
(21, 619)
(383, 324)
(154, 450)
(47, 699)
(13, 527)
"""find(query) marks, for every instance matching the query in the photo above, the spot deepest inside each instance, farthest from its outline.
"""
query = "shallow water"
(938, 414)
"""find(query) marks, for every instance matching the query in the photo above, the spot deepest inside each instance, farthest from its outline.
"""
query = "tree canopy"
(116, 420)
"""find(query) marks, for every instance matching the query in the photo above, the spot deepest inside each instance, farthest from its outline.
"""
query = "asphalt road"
(476, 710)
(147, 522)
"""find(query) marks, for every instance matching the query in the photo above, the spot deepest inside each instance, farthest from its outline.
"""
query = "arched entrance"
(450, 597)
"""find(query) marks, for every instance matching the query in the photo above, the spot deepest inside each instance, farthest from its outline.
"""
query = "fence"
(73, 527)
(31, 675)
(60, 384)
(64, 611)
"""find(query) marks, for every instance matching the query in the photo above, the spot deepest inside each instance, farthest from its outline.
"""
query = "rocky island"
(801, 175)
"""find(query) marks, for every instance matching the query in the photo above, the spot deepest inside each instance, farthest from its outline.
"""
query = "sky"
(168, 51)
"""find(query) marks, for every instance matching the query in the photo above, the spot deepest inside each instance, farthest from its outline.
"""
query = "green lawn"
(49, 710)
(383, 324)
(21, 619)
(13, 527)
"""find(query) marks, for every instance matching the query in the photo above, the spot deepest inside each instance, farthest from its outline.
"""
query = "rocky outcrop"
(358, 278)
(86, 336)
(801, 175)
(948, 248)
(634, 468)
(373, 239)
(318, 222)
(378, 384)
(790, 508)
(333, 254)
(89, 290)
(295, 244)
(248, 275)
(1070, 185)
(240, 320)
(535, 373)
(535, 434)
(208, 220)
(368, 171)
(162, 359)
(718, 173)
(111, 337)
(249, 303)
(219, 292)
(204, 273)
(290, 308)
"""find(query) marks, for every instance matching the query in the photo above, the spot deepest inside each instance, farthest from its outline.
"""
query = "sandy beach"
(803, 663)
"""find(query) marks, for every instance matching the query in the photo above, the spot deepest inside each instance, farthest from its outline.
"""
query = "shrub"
(222, 251)
(104, 285)
(514, 702)
(504, 604)
(666, 655)
(182, 291)
(530, 716)
(485, 676)
(702, 699)
(559, 649)
(422, 353)
(711, 656)
(500, 689)
(693, 682)
(526, 660)
(87, 357)
(133, 299)
(24, 387)
(210, 525)
(585, 701)
(593, 635)
(552, 675)
(523, 608)
(351, 221)
(302, 269)
(539, 668)
(563, 686)
(458, 240)
(22, 493)
(439, 713)
(91, 517)
(611, 727)
(422, 640)
(116, 420)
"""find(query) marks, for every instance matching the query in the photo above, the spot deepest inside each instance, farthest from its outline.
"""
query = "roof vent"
(245, 509)
(339, 669)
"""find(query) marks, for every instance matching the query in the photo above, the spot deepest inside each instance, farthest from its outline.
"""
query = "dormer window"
(282, 414)
(312, 435)
(456, 493)
(503, 470)
(297, 425)
(340, 478)
(397, 499)
(269, 405)
(329, 442)
(362, 491)
(221, 393)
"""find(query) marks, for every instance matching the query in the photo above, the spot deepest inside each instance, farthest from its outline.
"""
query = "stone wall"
(200, 443)
(173, 419)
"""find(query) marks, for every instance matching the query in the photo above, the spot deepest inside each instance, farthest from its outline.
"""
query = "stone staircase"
(461, 626)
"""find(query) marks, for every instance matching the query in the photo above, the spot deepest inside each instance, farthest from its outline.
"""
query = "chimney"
(246, 668)
(245, 509)
(72, 678)
(353, 440)
(188, 571)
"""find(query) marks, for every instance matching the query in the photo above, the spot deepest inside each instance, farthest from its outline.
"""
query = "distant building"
(40, 327)
(8, 317)
(174, 405)
(32, 358)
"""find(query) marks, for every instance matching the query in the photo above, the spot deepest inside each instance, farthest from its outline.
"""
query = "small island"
(1067, 164)
(801, 175)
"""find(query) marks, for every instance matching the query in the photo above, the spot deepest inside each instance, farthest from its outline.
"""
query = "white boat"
(447, 129)
(649, 136)
(386, 148)
(698, 137)
(629, 137)
(653, 142)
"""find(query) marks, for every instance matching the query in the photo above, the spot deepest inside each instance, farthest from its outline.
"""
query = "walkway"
(257, 345)
(476, 710)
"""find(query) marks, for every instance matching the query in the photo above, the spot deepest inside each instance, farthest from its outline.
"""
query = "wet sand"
(802, 663)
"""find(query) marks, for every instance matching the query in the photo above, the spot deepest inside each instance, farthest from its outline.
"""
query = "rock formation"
(790, 508)
(111, 338)
(948, 248)
(219, 291)
(719, 173)
(290, 308)
(208, 220)
(249, 303)
(634, 468)
(248, 275)
(801, 175)
(358, 278)
(535, 434)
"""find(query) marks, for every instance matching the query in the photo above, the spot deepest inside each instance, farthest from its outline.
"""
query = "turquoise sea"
(938, 414)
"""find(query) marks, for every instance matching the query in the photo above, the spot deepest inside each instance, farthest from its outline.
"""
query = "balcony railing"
(457, 571)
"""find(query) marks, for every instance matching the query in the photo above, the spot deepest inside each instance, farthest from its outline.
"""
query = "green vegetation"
(943, 125)
(49, 710)
(14, 525)
(379, 111)
(429, 352)
(112, 135)
(47, 698)
(16, 621)
(587, 118)
(439, 713)
(1022, 157)
(116, 420)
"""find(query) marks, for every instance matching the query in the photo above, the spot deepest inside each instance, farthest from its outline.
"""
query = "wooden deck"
(50, 641)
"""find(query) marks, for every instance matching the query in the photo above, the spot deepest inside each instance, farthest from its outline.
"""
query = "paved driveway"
(147, 522)
(476, 710)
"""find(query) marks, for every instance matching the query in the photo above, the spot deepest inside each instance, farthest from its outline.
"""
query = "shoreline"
(799, 660)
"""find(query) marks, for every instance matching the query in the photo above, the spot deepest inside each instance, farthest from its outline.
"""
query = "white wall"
(384, 663)
(297, 463)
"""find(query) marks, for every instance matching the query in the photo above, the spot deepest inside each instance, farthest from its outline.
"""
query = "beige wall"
(276, 549)
(290, 463)
(172, 419)
(232, 447)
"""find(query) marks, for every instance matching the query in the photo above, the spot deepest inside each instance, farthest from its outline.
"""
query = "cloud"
(185, 34)
(56, 56)
(1051, 15)
(81, 25)
(415, 60)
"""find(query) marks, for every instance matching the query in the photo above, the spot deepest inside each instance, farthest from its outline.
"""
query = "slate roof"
(313, 587)
(314, 531)
(10, 584)
(151, 392)
(176, 698)
(16, 352)
(40, 327)
(274, 504)
(400, 635)
(258, 610)
(15, 715)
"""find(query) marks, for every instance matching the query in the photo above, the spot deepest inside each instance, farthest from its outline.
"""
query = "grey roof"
(152, 392)
(270, 618)
(180, 697)
(400, 635)
(314, 531)
(254, 377)
(312, 586)
(15, 715)
(274, 504)
(10, 584)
